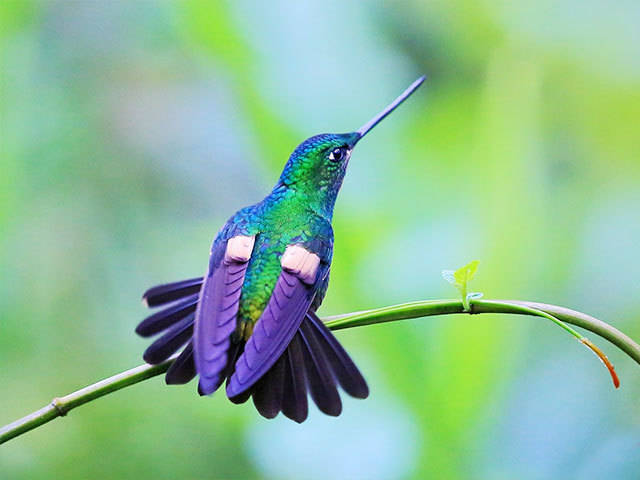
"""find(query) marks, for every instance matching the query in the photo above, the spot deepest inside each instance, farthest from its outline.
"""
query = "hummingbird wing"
(215, 316)
(199, 312)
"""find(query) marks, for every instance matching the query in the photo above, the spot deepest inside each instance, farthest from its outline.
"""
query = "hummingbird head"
(319, 162)
(317, 166)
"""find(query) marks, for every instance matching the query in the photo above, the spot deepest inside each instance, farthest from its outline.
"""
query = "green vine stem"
(62, 405)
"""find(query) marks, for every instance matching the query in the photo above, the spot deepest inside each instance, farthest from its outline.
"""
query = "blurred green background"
(130, 131)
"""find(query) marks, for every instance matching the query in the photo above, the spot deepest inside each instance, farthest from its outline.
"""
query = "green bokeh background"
(130, 131)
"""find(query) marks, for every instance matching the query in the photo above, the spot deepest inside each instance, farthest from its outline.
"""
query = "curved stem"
(60, 406)
(429, 308)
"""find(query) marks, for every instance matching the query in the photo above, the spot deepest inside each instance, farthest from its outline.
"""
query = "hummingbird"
(251, 320)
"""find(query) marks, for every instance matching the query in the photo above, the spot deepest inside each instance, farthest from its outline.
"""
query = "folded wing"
(215, 317)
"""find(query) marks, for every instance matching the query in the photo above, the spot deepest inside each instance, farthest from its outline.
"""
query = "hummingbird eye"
(338, 154)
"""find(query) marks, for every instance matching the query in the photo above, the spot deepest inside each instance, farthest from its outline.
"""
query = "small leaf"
(464, 274)
(460, 279)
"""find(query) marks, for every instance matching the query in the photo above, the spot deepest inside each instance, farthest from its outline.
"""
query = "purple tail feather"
(183, 370)
(169, 343)
(268, 394)
(314, 362)
(345, 371)
(169, 292)
(174, 324)
(294, 401)
(320, 379)
(160, 321)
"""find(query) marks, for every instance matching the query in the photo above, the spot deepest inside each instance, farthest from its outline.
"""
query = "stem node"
(59, 406)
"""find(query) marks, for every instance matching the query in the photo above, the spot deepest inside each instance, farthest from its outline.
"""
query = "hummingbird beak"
(362, 131)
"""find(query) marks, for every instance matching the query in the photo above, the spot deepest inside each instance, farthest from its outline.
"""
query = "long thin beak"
(362, 131)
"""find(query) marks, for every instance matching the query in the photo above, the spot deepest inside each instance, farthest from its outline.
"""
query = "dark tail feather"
(162, 320)
(346, 372)
(267, 395)
(176, 321)
(320, 380)
(282, 388)
(183, 369)
(170, 342)
(161, 294)
(314, 361)
(242, 398)
(294, 396)
(234, 353)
